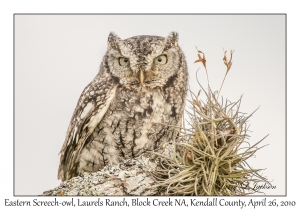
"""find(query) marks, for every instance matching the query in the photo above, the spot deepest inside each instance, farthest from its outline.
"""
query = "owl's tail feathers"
(65, 174)
(60, 174)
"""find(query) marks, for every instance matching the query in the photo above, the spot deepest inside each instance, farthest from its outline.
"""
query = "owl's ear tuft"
(113, 41)
(172, 39)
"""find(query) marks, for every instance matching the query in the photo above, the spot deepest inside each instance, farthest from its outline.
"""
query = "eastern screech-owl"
(130, 107)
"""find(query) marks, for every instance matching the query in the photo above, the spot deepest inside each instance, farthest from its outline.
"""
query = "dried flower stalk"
(211, 157)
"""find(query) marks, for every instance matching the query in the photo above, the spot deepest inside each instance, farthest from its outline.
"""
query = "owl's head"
(143, 60)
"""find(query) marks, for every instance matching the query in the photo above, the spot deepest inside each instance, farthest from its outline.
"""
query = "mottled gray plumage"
(140, 90)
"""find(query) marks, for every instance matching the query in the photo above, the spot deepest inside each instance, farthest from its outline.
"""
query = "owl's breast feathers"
(115, 123)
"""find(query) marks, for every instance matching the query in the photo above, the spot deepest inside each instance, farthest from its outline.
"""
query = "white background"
(56, 56)
(6, 73)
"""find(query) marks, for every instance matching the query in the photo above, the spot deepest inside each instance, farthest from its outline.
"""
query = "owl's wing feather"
(91, 107)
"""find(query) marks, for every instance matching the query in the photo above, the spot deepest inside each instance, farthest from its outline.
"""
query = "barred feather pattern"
(118, 116)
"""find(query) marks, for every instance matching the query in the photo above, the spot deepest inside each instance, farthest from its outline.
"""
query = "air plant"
(210, 158)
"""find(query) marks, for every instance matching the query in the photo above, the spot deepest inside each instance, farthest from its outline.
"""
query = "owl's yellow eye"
(161, 60)
(123, 61)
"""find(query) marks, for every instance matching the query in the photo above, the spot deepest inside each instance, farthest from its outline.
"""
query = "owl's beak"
(142, 77)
